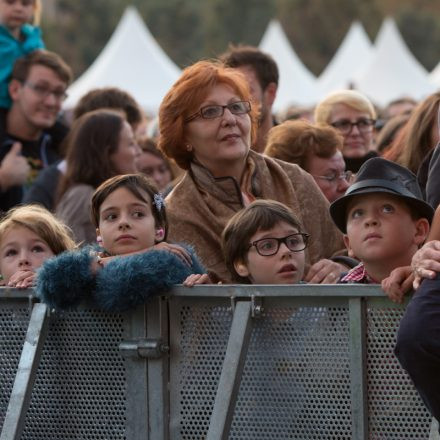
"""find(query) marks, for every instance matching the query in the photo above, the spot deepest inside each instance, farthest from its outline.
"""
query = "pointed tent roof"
(297, 85)
(434, 76)
(131, 60)
(393, 71)
(352, 55)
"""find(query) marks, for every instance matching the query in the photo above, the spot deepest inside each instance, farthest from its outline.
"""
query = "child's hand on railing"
(179, 251)
(22, 279)
(325, 272)
(103, 259)
(197, 278)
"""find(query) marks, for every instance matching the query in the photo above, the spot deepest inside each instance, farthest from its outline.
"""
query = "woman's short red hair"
(184, 99)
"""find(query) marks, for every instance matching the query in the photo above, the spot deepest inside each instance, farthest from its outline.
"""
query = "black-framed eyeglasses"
(269, 246)
(336, 177)
(364, 125)
(43, 91)
(216, 111)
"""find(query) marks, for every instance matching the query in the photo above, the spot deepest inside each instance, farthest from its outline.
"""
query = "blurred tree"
(421, 32)
(177, 25)
(229, 21)
(316, 28)
(190, 29)
(81, 29)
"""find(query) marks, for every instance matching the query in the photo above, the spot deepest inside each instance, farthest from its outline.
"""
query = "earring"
(160, 232)
(189, 147)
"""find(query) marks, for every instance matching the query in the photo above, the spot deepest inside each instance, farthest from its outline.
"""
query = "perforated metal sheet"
(197, 355)
(396, 411)
(296, 381)
(79, 391)
(295, 385)
(14, 320)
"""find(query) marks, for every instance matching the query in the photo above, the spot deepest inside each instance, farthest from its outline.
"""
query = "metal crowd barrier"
(218, 362)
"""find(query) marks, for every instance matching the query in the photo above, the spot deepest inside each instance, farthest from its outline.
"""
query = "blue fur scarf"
(66, 280)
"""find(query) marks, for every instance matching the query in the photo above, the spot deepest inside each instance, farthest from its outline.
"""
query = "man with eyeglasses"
(29, 128)
(353, 115)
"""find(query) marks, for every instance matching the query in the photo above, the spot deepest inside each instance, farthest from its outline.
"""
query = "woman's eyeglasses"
(269, 246)
(216, 111)
(364, 125)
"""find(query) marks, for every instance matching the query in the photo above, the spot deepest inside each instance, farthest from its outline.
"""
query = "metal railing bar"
(232, 370)
(158, 372)
(137, 380)
(434, 432)
(297, 290)
(246, 291)
(358, 372)
(12, 293)
(27, 368)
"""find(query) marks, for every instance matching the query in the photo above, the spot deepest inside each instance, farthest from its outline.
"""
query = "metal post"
(232, 370)
(158, 372)
(434, 432)
(27, 368)
(358, 373)
(136, 427)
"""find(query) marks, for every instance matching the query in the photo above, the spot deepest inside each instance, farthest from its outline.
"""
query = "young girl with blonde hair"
(29, 235)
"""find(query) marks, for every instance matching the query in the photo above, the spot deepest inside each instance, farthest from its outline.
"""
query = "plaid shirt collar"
(358, 275)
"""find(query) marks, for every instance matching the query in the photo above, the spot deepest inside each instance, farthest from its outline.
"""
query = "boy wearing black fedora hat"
(384, 220)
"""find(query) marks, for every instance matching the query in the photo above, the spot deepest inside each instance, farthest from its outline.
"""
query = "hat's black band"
(380, 183)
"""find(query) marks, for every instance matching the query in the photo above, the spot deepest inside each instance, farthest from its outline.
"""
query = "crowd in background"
(248, 190)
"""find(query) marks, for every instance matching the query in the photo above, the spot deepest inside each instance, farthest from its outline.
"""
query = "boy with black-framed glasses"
(264, 243)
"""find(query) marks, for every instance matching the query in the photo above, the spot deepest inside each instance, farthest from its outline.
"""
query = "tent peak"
(131, 60)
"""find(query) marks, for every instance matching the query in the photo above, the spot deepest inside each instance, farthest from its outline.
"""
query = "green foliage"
(421, 30)
(192, 29)
(176, 25)
(316, 28)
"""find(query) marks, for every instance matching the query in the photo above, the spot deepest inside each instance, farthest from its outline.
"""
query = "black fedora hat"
(379, 175)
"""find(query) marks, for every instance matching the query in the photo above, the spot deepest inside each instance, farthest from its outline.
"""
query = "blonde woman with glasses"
(353, 115)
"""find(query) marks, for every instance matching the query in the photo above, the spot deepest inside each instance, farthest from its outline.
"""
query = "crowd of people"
(221, 192)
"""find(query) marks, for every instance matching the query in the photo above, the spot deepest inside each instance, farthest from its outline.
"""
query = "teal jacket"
(10, 50)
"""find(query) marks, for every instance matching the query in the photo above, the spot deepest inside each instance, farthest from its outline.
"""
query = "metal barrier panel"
(84, 388)
(320, 365)
(296, 381)
(14, 320)
(395, 409)
(298, 378)
(79, 390)
(199, 334)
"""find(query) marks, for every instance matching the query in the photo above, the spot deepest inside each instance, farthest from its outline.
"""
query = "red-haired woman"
(207, 125)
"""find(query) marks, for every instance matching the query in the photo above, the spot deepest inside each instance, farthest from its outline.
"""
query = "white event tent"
(352, 56)
(133, 61)
(434, 76)
(297, 85)
(392, 72)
